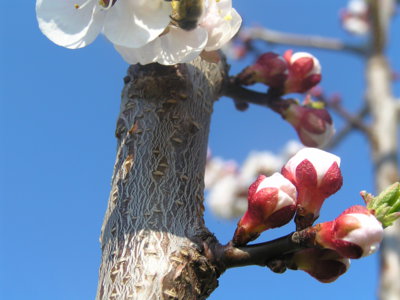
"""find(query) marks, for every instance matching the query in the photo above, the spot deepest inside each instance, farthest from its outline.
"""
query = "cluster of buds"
(271, 203)
(306, 181)
(311, 120)
(316, 175)
(290, 73)
(355, 18)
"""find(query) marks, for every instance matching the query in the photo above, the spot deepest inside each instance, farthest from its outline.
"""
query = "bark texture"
(153, 230)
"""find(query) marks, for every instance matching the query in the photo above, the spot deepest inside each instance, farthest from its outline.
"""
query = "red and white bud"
(354, 234)
(270, 69)
(325, 265)
(313, 124)
(304, 72)
(271, 203)
(316, 175)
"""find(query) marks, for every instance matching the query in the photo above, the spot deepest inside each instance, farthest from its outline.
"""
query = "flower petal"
(219, 36)
(176, 46)
(68, 26)
(133, 24)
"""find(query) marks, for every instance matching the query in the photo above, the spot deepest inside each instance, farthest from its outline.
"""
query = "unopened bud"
(270, 69)
(311, 121)
(354, 234)
(325, 265)
(304, 72)
(271, 203)
(316, 175)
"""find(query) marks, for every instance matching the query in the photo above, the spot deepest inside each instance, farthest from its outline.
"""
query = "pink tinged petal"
(133, 24)
(68, 26)
(177, 46)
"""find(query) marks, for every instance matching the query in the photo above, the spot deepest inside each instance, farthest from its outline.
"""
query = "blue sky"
(58, 110)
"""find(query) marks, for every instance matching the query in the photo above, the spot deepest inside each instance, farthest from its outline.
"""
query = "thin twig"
(347, 129)
(241, 94)
(276, 37)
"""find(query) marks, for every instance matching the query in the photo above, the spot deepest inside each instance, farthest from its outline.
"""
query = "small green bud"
(385, 206)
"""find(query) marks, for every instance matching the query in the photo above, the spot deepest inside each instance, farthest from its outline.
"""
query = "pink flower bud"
(316, 175)
(304, 72)
(313, 124)
(354, 234)
(325, 265)
(271, 203)
(270, 69)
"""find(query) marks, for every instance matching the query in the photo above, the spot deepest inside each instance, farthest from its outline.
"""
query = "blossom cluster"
(299, 191)
(142, 31)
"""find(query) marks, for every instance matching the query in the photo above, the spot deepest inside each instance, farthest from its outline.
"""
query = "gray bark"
(153, 229)
(383, 108)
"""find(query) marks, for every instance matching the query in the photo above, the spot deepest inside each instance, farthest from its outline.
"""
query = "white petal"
(259, 163)
(133, 24)
(216, 169)
(219, 36)
(222, 197)
(357, 7)
(177, 46)
(68, 26)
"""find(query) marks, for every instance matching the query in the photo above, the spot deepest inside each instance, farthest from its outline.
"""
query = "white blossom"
(141, 30)
(76, 23)
(219, 23)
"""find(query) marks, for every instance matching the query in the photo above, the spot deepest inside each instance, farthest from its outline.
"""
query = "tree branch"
(242, 95)
(229, 256)
(276, 37)
(347, 128)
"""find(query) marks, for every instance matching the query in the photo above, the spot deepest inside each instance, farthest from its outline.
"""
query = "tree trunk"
(384, 149)
(153, 229)
(384, 142)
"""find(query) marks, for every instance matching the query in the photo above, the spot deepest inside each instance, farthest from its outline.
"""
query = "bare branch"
(347, 129)
(230, 256)
(276, 37)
